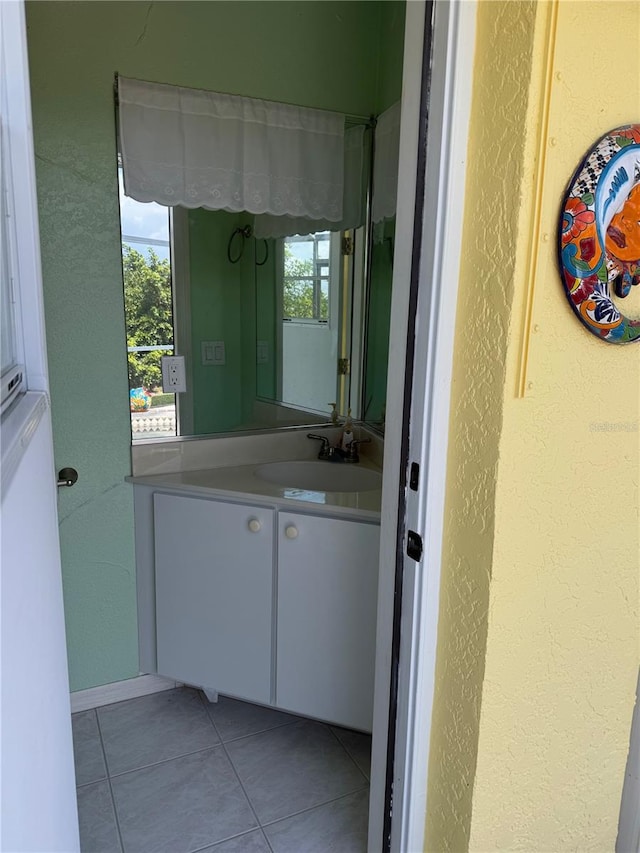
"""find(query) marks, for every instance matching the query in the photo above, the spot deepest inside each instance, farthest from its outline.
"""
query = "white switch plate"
(213, 352)
(206, 352)
(173, 374)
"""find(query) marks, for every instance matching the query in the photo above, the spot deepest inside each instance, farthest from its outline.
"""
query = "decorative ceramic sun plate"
(600, 235)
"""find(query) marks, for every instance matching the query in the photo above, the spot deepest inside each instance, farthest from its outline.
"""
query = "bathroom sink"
(320, 476)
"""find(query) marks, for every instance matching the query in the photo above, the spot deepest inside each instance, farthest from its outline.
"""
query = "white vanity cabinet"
(327, 600)
(214, 594)
(259, 603)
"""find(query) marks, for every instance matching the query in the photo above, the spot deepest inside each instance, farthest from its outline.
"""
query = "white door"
(326, 618)
(214, 592)
(38, 803)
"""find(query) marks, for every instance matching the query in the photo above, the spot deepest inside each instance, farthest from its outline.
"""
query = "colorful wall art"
(600, 235)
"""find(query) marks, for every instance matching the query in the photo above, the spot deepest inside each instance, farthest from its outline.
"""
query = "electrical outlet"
(173, 374)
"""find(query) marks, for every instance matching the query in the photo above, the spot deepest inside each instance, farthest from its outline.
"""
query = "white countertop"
(241, 483)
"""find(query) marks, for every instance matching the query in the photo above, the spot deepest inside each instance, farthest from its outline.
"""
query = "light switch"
(212, 352)
(262, 352)
(206, 348)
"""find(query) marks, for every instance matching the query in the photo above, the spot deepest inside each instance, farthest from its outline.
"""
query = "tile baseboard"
(118, 691)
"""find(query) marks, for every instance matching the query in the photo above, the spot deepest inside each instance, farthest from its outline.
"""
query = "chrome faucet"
(327, 451)
(336, 454)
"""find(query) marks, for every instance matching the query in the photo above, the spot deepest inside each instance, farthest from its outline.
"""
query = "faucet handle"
(352, 453)
(324, 449)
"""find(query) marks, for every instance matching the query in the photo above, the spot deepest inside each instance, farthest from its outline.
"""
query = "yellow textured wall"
(495, 167)
(538, 639)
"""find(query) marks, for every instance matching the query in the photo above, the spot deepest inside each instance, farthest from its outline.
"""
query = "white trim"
(29, 302)
(181, 282)
(447, 139)
(335, 290)
(408, 158)
(357, 285)
(449, 105)
(13, 384)
(279, 343)
(18, 428)
(118, 691)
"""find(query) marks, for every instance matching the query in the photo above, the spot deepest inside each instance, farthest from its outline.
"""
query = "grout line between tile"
(93, 782)
(164, 761)
(297, 719)
(317, 806)
(259, 825)
(113, 799)
(266, 840)
(348, 751)
(230, 838)
(260, 732)
(205, 702)
(233, 767)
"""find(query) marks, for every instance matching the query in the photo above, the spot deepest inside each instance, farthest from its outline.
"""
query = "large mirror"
(275, 323)
(273, 329)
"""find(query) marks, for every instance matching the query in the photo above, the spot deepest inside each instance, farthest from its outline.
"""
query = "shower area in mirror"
(275, 295)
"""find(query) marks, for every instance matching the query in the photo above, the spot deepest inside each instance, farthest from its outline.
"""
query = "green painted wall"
(388, 91)
(391, 54)
(223, 298)
(249, 312)
(319, 54)
(266, 319)
(216, 315)
(377, 350)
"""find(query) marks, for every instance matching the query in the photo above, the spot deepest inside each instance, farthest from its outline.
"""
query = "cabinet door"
(327, 597)
(214, 594)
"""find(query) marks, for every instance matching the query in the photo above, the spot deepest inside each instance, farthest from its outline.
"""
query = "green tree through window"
(149, 314)
(306, 282)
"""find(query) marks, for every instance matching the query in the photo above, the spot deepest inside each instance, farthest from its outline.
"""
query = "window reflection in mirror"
(148, 293)
(308, 334)
(306, 278)
(304, 316)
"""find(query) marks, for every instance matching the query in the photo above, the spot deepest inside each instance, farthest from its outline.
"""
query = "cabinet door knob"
(291, 532)
(254, 525)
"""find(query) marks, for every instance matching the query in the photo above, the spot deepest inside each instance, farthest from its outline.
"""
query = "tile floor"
(172, 772)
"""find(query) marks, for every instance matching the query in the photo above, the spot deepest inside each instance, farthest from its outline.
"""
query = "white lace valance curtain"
(385, 164)
(354, 199)
(196, 148)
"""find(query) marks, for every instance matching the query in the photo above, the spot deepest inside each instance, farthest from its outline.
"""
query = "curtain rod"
(350, 118)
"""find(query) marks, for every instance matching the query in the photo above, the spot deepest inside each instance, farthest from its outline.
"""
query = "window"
(12, 373)
(148, 296)
(306, 278)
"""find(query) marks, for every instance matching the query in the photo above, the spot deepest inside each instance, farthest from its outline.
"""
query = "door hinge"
(414, 545)
(347, 245)
(344, 367)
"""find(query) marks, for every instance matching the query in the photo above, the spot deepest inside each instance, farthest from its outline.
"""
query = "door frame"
(437, 83)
